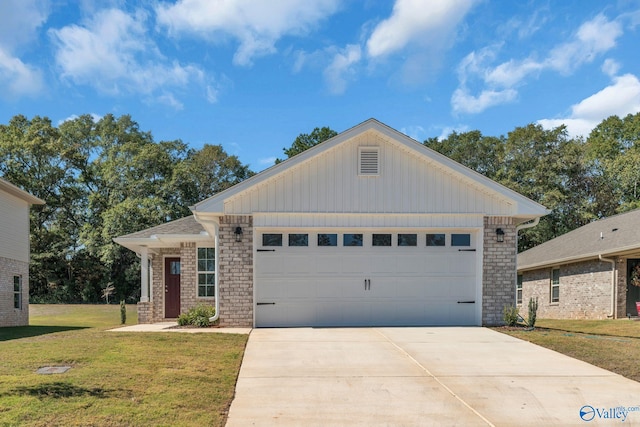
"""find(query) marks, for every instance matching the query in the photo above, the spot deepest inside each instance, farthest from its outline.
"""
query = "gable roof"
(9, 188)
(524, 208)
(170, 234)
(610, 236)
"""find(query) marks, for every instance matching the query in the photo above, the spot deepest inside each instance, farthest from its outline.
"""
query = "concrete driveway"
(421, 376)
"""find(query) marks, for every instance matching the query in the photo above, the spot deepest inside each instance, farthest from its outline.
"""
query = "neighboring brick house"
(368, 228)
(14, 254)
(592, 272)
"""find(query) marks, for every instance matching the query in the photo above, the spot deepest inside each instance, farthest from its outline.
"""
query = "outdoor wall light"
(499, 235)
(238, 233)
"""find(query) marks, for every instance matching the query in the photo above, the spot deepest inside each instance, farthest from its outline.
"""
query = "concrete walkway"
(171, 327)
(420, 376)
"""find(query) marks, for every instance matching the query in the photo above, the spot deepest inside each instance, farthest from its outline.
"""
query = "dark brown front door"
(171, 287)
(633, 291)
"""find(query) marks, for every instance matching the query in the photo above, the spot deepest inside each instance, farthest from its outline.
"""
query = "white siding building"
(14, 254)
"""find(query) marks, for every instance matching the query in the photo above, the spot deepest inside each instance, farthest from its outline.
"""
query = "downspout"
(206, 223)
(518, 228)
(613, 283)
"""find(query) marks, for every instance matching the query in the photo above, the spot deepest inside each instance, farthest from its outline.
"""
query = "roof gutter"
(613, 283)
(207, 223)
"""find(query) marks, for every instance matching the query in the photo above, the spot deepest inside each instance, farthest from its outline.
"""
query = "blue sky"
(251, 75)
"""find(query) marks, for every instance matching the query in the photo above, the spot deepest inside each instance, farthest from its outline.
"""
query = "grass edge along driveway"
(116, 378)
(609, 344)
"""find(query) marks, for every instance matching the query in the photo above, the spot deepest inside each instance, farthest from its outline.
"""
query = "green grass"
(116, 378)
(610, 344)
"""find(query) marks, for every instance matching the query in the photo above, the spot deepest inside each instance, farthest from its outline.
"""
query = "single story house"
(592, 272)
(14, 254)
(367, 228)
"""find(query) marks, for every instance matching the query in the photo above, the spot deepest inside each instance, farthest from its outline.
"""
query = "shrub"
(197, 316)
(533, 312)
(510, 315)
(123, 312)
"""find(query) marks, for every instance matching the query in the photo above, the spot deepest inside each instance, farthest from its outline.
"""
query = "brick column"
(235, 271)
(188, 271)
(498, 269)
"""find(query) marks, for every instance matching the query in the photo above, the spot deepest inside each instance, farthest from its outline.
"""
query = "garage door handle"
(466, 302)
(266, 303)
(367, 284)
(266, 250)
(462, 250)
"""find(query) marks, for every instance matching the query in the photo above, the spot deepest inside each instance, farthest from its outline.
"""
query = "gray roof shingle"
(604, 237)
(186, 225)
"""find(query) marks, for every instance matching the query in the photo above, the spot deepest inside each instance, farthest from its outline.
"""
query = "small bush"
(123, 312)
(533, 312)
(510, 315)
(197, 316)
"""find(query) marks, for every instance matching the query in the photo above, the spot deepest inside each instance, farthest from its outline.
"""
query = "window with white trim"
(519, 290)
(206, 272)
(17, 292)
(555, 285)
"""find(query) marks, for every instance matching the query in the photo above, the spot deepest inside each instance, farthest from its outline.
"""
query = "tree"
(204, 173)
(304, 141)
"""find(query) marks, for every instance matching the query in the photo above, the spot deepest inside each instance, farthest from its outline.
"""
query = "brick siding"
(498, 269)
(585, 290)
(10, 316)
(235, 271)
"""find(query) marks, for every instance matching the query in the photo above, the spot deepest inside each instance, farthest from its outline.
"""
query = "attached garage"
(386, 278)
(368, 228)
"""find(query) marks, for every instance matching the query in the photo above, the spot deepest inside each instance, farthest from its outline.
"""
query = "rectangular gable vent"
(369, 161)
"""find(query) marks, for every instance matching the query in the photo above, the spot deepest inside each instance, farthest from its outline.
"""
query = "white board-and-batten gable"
(370, 169)
(14, 221)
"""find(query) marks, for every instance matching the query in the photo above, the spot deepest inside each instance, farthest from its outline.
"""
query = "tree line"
(102, 179)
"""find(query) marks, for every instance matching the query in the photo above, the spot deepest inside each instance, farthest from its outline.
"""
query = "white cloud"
(464, 102)
(620, 98)
(257, 25)
(497, 84)
(341, 68)
(610, 67)
(267, 161)
(592, 38)
(19, 22)
(113, 53)
(18, 78)
(95, 117)
(413, 21)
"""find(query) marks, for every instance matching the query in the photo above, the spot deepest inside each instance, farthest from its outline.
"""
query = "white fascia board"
(161, 241)
(9, 188)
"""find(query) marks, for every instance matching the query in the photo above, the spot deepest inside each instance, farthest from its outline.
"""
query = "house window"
(206, 272)
(407, 240)
(271, 239)
(17, 292)
(519, 290)
(352, 239)
(298, 240)
(460, 240)
(327, 239)
(555, 285)
(381, 240)
(435, 240)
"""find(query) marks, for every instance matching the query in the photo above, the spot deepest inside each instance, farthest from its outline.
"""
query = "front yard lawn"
(116, 378)
(610, 344)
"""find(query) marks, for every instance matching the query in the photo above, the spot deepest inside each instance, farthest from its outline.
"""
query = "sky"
(251, 75)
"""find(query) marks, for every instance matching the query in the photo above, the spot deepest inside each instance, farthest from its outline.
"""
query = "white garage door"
(366, 279)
